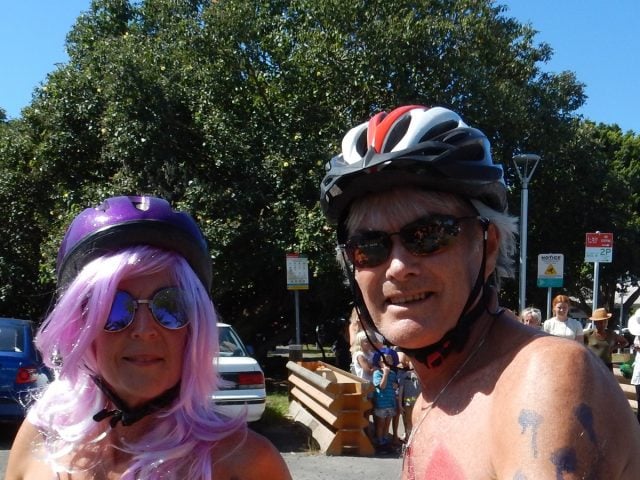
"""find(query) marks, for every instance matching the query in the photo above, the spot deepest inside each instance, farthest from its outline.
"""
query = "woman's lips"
(142, 359)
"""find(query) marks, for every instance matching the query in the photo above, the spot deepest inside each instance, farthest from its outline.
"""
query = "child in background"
(385, 405)
(408, 391)
(361, 352)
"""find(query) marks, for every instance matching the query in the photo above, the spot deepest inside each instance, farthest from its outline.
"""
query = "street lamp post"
(526, 164)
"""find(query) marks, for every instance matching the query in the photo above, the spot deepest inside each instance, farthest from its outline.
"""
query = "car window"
(11, 339)
(230, 343)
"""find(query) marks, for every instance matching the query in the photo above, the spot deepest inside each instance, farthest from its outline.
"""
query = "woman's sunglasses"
(167, 308)
(420, 237)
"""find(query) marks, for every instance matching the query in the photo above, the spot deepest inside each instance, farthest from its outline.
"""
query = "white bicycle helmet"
(412, 145)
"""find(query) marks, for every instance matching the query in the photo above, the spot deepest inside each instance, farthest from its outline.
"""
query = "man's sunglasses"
(167, 308)
(421, 237)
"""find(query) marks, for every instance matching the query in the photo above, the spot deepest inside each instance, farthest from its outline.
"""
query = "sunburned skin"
(443, 465)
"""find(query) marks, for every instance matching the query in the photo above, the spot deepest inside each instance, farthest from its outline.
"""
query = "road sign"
(297, 272)
(598, 247)
(550, 270)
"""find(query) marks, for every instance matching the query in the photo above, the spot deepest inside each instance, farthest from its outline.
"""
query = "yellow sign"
(550, 270)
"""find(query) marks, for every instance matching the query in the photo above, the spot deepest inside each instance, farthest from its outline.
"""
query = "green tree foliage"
(231, 108)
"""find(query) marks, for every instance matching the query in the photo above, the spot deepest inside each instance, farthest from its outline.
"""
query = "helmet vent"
(396, 134)
(143, 205)
(361, 144)
(438, 130)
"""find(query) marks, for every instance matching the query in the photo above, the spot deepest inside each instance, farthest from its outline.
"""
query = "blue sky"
(596, 39)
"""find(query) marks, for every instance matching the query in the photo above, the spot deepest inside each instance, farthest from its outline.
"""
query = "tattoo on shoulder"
(584, 414)
(530, 422)
(519, 476)
(565, 460)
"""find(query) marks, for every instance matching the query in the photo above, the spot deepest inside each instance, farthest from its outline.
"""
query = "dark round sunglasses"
(421, 237)
(167, 308)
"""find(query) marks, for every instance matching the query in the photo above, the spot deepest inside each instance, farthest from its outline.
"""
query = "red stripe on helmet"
(379, 126)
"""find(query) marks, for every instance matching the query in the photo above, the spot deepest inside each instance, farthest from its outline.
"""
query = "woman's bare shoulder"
(22, 463)
(251, 455)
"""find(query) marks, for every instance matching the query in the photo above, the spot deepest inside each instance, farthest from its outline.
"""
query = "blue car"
(22, 372)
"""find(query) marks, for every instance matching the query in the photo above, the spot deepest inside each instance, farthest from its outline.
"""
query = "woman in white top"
(561, 325)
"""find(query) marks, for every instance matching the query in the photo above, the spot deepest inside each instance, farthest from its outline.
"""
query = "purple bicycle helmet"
(121, 222)
(412, 145)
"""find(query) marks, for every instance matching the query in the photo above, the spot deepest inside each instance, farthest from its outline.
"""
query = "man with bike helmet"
(424, 238)
(132, 338)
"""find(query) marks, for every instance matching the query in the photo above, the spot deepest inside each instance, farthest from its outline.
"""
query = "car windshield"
(230, 344)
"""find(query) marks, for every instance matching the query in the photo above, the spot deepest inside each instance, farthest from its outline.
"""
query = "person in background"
(424, 236)
(385, 402)
(408, 391)
(362, 356)
(532, 317)
(560, 325)
(634, 329)
(354, 326)
(602, 340)
(340, 347)
(132, 339)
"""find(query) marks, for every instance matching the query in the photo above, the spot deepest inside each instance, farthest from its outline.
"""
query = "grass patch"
(276, 409)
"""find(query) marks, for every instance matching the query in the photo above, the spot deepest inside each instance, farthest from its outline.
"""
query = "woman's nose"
(143, 322)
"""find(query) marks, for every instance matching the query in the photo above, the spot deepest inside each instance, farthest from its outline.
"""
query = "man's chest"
(451, 444)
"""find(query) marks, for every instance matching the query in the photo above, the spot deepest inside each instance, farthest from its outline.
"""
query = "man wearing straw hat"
(602, 340)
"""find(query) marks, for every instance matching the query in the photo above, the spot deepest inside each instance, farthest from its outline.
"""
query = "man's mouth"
(401, 300)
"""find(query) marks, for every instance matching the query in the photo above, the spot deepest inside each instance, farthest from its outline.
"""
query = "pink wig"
(179, 444)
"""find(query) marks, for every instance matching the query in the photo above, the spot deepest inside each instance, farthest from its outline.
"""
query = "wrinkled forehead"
(397, 207)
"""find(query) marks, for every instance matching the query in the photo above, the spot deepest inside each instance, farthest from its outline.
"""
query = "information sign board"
(550, 270)
(297, 272)
(598, 247)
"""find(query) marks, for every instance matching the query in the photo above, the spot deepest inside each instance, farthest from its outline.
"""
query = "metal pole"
(621, 322)
(297, 298)
(528, 162)
(524, 208)
(549, 302)
(596, 275)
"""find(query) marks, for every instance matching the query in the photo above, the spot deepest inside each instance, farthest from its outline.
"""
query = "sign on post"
(598, 247)
(297, 279)
(550, 270)
(297, 272)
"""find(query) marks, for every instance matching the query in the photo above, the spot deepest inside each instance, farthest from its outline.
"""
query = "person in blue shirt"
(385, 405)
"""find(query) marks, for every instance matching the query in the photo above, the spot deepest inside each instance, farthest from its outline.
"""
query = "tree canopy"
(230, 109)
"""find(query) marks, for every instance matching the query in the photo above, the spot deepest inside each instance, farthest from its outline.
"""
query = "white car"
(244, 388)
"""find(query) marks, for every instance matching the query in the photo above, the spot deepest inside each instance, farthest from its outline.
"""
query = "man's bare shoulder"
(252, 455)
(561, 411)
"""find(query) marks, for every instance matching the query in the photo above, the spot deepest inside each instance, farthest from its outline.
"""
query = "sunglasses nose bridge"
(143, 318)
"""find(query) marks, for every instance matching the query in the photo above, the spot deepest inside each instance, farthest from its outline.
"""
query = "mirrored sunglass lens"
(122, 312)
(369, 250)
(168, 308)
(428, 235)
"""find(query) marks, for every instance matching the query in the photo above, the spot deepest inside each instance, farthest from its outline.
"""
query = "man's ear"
(493, 248)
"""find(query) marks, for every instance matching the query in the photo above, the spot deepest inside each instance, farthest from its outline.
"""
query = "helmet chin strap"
(433, 355)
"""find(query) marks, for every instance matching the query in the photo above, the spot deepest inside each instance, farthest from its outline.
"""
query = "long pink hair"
(179, 443)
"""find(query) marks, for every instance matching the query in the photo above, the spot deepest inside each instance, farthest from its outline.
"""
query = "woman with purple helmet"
(132, 339)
